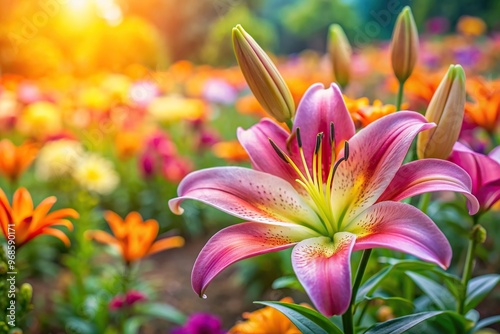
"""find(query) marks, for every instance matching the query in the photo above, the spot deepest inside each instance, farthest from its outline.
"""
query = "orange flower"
(471, 26)
(264, 321)
(29, 223)
(248, 105)
(485, 110)
(363, 113)
(128, 143)
(16, 159)
(230, 151)
(134, 237)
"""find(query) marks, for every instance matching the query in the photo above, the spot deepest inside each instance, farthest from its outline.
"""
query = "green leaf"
(397, 300)
(371, 284)
(415, 265)
(133, 325)
(290, 282)
(307, 321)
(436, 292)
(406, 323)
(162, 311)
(486, 322)
(478, 288)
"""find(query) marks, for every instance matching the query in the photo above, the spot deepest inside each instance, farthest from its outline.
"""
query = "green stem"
(289, 123)
(425, 200)
(468, 267)
(399, 101)
(347, 317)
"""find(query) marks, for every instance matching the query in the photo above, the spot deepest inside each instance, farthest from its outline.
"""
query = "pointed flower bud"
(404, 45)
(340, 54)
(262, 76)
(446, 109)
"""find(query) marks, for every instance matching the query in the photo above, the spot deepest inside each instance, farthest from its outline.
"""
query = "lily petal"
(166, 243)
(430, 175)
(317, 109)
(401, 227)
(489, 194)
(495, 154)
(238, 242)
(247, 194)
(324, 270)
(264, 158)
(376, 154)
(481, 168)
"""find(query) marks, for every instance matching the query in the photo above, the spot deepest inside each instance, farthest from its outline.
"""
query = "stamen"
(299, 139)
(319, 139)
(332, 134)
(278, 150)
(346, 150)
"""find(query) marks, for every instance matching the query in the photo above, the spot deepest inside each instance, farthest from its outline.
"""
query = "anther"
(346, 150)
(278, 150)
(332, 133)
(299, 139)
(319, 138)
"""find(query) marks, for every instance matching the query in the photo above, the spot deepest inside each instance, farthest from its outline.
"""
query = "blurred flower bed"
(112, 146)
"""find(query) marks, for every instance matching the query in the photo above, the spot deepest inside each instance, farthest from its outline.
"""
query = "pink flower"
(484, 171)
(324, 197)
(134, 296)
(116, 303)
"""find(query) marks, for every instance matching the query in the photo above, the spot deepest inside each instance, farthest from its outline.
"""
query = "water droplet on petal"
(204, 296)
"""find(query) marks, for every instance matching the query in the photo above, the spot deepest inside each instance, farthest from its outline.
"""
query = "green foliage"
(307, 321)
(218, 47)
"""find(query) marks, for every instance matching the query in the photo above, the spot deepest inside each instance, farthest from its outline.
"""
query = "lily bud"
(340, 54)
(478, 234)
(262, 76)
(404, 45)
(446, 109)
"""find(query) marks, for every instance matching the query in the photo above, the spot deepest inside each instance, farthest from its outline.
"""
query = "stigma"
(313, 179)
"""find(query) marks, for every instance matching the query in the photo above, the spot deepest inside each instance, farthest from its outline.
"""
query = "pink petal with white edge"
(495, 154)
(247, 194)
(430, 175)
(238, 242)
(401, 227)
(317, 109)
(264, 158)
(376, 154)
(323, 267)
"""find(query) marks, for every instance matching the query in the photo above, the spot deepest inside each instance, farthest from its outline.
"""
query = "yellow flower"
(363, 113)
(40, 119)
(96, 174)
(58, 159)
(175, 108)
(267, 320)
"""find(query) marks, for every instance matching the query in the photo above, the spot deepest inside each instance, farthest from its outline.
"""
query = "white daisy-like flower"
(96, 174)
(58, 159)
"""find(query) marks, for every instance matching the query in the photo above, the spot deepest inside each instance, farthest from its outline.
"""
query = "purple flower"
(200, 323)
(219, 91)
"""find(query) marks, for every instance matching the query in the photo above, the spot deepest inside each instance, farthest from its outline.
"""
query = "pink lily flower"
(484, 171)
(325, 198)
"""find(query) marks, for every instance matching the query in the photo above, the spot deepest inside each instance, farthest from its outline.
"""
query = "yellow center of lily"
(319, 190)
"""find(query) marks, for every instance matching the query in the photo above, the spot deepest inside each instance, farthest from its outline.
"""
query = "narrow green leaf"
(133, 325)
(478, 288)
(290, 282)
(486, 322)
(372, 283)
(307, 321)
(162, 311)
(406, 323)
(436, 292)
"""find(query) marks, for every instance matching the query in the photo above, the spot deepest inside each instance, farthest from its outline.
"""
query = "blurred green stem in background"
(477, 236)
(399, 99)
